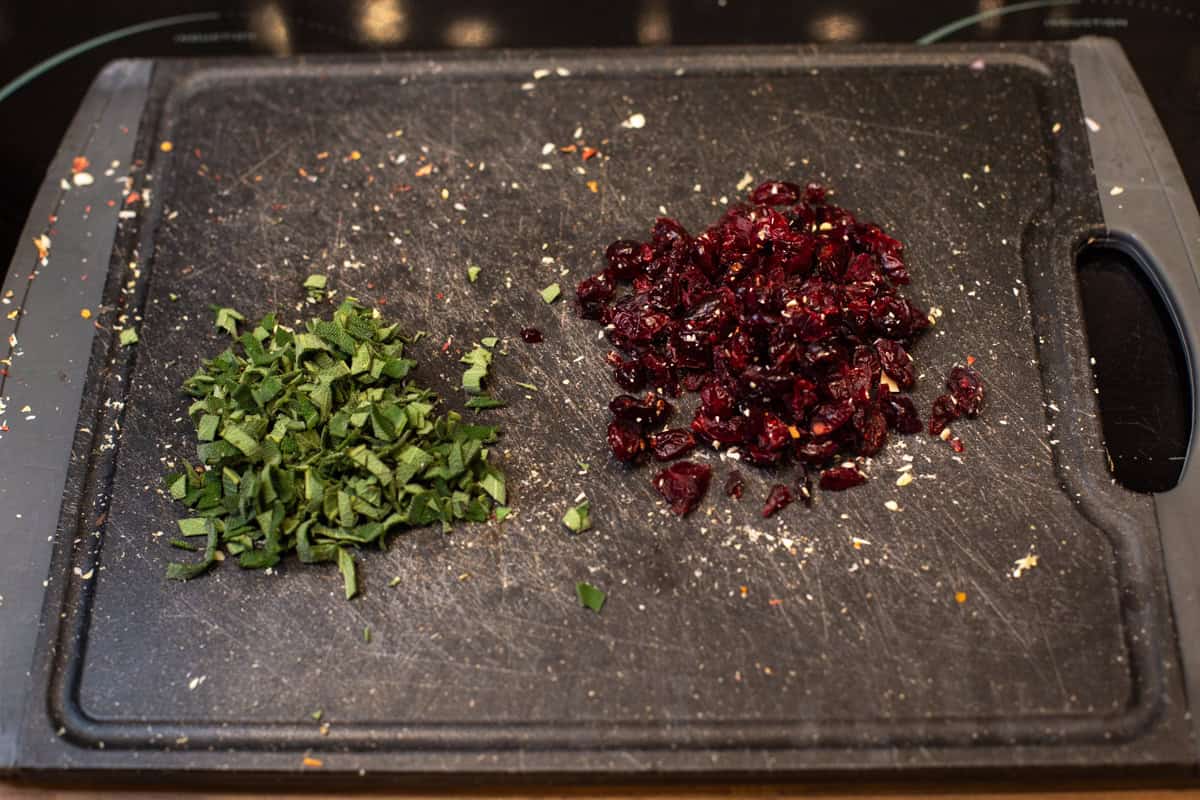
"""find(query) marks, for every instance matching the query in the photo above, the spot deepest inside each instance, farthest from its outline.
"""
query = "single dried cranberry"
(872, 433)
(627, 258)
(775, 193)
(837, 479)
(625, 440)
(629, 375)
(816, 451)
(814, 194)
(723, 430)
(944, 411)
(683, 485)
(647, 412)
(668, 232)
(966, 386)
(532, 335)
(669, 445)
(897, 363)
(779, 498)
(717, 399)
(828, 417)
(735, 485)
(901, 414)
(593, 294)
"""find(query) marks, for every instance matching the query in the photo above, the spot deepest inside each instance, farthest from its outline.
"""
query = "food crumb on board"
(635, 120)
(960, 597)
(1024, 564)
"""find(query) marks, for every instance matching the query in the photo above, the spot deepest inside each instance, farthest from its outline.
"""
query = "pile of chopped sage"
(316, 442)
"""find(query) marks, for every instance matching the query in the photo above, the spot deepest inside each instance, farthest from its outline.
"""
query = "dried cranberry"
(735, 485)
(532, 335)
(816, 451)
(944, 411)
(627, 258)
(720, 430)
(629, 375)
(775, 193)
(837, 479)
(872, 433)
(672, 444)
(966, 386)
(647, 412)
(779, 498)
(593, 294)
(900, 414)
(897, 363)
(683, 485)
(625, 440)
(828, 417)
(786, 316)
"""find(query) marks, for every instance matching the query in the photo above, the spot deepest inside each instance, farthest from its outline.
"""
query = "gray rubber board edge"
(49, 346)
(1150, 214)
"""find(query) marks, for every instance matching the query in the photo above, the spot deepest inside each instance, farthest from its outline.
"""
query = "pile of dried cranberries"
(785, 317)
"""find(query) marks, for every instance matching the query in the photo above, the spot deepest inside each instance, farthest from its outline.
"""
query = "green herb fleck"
(345, 563)
(473, 273)
(583, 466)
(316, 715)
(578, 518)
(502, 513)
(590, 597)
(316, 282)
(489, 341)
(479, 359)
(367, 635)
(394, 581)
(481, 402)
(227, 320)
(528, 386)
(183, 544)
(172, 297)
(551, 293)
(128, 336)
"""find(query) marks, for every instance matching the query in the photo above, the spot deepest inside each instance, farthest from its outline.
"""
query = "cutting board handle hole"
(1140, 367)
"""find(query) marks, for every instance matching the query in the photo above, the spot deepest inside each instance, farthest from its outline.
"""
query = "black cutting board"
(864, 637)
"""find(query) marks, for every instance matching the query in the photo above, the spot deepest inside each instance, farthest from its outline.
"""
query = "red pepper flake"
(589, 152)
(957, 445)
(440, 296)
(743, 590)
(446, 346)
(324, 154)
(4, 428)
(197, 153)
(315, 763)
(79, 164)
(594, 186)
(132, 198)
(423, 171)
(382, 301)
(568, 149)
(970, 361)
(53, 218)
(302, 172)
(370, 285)
(402, 188)
(775, 601)
(110, 203)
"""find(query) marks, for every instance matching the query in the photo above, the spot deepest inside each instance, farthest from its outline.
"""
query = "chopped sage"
(128, 336)
(481, 401)
(473, 273)
(551, 293)
(590, 597)
(317, 442)
(578, 518)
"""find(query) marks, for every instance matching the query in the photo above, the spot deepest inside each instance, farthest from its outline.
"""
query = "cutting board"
(841, 637)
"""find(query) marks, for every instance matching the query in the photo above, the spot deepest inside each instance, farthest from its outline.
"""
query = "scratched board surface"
(831, 627)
